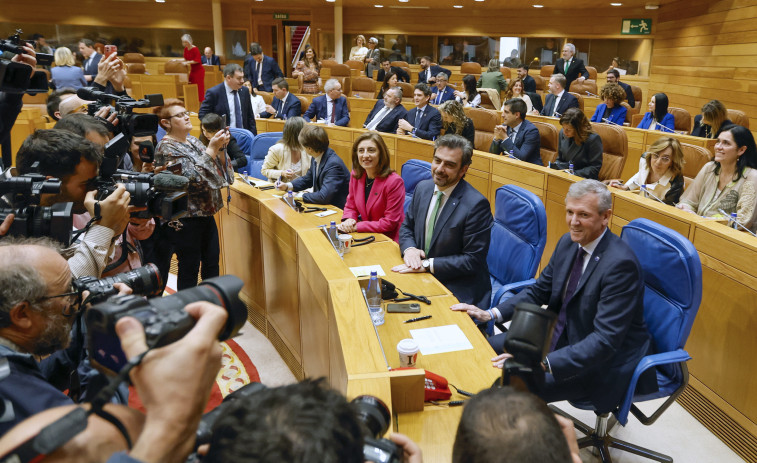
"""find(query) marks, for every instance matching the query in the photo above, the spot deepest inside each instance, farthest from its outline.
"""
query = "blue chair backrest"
(260, 146)
(672, 281)
(244, 139)
(519, 235)
(413, 171)
(160, 134)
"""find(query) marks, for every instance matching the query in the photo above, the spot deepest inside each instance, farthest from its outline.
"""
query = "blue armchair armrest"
(511, 287)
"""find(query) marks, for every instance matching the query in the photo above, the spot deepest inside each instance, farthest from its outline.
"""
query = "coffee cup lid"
(345, 237)
(407, 346)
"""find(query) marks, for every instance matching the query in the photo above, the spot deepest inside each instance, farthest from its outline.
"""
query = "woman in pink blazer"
(377, 194)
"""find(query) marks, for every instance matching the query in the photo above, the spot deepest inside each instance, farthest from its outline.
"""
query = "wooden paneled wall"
(706, 50)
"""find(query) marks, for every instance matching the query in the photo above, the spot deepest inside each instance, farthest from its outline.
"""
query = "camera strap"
(124, 254)
(98, 216)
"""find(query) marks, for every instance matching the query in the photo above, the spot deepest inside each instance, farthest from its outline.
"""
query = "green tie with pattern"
(432, 221)
(567, 65)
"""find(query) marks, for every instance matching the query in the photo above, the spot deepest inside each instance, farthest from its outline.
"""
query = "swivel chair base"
(600, 439)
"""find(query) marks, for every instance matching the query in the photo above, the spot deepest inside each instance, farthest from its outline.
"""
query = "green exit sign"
(281, 16)
(642, 26)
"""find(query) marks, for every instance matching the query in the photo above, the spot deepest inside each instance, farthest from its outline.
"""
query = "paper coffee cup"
(345, 242)
(408, 352)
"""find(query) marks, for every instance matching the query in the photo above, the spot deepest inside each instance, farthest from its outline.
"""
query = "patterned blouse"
(206, 176)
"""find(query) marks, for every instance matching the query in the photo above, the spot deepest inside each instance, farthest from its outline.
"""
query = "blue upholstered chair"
(672, 293)
(259, 150)
(413, 172)
(244, 139)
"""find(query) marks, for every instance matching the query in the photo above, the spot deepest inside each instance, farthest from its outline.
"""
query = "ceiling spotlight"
(379, 6)
(404, 1)
(457, 6)
(616, 4)
(652, 6)
(538, 6)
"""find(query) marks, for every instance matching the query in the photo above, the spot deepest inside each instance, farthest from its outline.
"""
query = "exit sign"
(641, 26)
(281, 16)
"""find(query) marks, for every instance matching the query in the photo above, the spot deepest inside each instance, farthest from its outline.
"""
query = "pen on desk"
(417, 319)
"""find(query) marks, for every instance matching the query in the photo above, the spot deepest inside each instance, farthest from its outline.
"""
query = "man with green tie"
(571, 67)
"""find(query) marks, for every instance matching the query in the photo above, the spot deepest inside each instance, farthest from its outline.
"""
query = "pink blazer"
(385, 210)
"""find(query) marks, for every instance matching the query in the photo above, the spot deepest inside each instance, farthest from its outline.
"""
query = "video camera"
(20, 77)
(143, 281)
(129, 123)
(21, 196)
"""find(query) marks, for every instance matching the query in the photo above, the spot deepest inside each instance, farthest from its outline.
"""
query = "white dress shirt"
(232, 122)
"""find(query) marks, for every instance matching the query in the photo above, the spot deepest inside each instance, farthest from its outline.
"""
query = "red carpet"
(236, 370)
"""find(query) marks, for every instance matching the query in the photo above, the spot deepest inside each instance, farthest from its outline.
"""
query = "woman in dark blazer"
(714, 117)
(376, 202)
(455, 121)
(578, 145)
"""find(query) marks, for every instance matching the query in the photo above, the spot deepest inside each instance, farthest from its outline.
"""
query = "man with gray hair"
(372, 59)
(441, 92)
(594, 284)
(330, 108)
(571, 67)
(261, 70)
(387, 112)
(231, 99)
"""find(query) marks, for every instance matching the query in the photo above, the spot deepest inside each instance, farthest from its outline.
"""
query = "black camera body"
(164, 319)
(143, 281)
(129, 123)
(19, 77)
(374, 418)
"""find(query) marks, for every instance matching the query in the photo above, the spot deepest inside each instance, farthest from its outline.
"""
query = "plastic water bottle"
(333, 235)
(733, 222)
(570, 169)
(373, 296)
(511, 154)
(290, 199)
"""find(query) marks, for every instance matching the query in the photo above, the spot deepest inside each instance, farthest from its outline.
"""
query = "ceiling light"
(404, 1)
(457, 6)
(479, 0)
(538, 6)
(160, 1)
(652, 6)
(330, 1)
(616, 4)
(379, 6)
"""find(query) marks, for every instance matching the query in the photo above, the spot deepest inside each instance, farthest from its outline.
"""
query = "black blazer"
(605, 335)
(331, 185)
(469, 131)
(566, 102)
(576, 69)
(586, 158)
(460, 241)
(435, 70)
(701, 130)
(270, 70)
(629, 93)
(293, 108)
(389, 123)
(402, 76)
(430, 125)
(527, 146)
(90, 66)
(216, 102)
(529, 84)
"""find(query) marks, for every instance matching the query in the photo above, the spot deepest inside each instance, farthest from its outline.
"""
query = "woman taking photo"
(729, 182)
(661, 170)
(455, 121)
(578, 145)
(376, 201)
(308, 71)
(469, 97)
(287, 158)
(390, 81)
(193, 57)
(611, 111)
(65, 73)
(714, 116)
(210, 125)
(658, 117)
(195, 236)
(515, 90)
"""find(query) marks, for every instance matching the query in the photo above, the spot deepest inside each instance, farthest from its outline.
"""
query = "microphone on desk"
(591, 94)
(649, 193)
(608, 121)
(737, 222)
(663, 128)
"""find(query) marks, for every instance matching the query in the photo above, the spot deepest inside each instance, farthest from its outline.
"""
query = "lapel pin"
(596, 259)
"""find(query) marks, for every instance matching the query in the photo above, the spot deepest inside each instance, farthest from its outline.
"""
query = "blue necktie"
(237, 111)
(573, 279)
(418, 114)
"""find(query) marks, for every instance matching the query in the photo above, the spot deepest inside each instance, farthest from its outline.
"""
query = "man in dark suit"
(231, 99)
(529, 84)
(386, 66)
(261, 70)
(571, 67)
(209, 58)
(284, 104)
(447, 227)
(423, 121)
(517, 136)
(386, 113)
(613, 77)
(594, 283)
(327, 176)
(441, 91)
(428, 72)
(559, 100)
(91, 59)
(331, 107)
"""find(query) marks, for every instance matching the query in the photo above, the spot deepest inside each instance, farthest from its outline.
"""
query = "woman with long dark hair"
(658, 117)
(469, 97)
(578, 145)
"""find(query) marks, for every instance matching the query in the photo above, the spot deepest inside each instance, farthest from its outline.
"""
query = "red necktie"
(333, 111)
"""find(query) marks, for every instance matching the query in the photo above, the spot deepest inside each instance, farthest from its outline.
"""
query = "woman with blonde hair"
(193, 57)
(455, 121)
(65, 73)
(287, 159)
(359, 51)
(708, 124)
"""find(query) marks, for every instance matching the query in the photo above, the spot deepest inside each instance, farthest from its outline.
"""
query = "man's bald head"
(74, 104)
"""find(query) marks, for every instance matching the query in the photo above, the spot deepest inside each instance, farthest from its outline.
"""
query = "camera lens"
(373, 413)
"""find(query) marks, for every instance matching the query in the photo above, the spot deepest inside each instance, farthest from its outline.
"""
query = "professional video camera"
(129, 123)
(19, 77)
(374, 417)
(528, 340)
(143, 281)
(21, 195)
(163, 194)
(164, 319)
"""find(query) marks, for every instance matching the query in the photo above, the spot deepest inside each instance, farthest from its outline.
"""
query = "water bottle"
(512, 154)
(373, 296)
(570, 169)
(290, 199)
(333, 235)
(733, 221)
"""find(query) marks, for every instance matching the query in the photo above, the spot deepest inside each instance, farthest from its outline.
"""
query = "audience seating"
(258, 151)
(592, 73)
(176, 66)
(580, 99)
(470, 68)
(405, 67)
(363, 87)
(244, 139)
(547, 70)
(550, 139)
(683, 121)
(328, 63)
(738, 117)
(135, 68)
(630, 112)
(673, 291)
(133, 58)
(304, 103)
(353, 64)
(484, 120)
(407, 90)
(267, 96)
(583, 88)
(636, 119)
(486, 101)
(412, 173)
(638, 101)
(695, 157)
(505, 72)
(341, 72)
(614, 149)
(541, 83)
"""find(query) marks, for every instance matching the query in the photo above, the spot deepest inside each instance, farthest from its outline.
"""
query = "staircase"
(298, 33)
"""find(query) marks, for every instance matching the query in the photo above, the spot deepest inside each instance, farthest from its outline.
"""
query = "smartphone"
(109, 49)
(403, 308)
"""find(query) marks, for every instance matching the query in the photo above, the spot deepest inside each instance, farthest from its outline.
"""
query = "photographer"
(10, 107)
(75, 161)
(110, 77)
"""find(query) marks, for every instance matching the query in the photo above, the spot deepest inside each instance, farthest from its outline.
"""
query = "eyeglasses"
(74, 302)
(656, 156)
(181, 114)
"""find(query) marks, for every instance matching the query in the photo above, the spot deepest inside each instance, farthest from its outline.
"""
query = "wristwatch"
(426, 265)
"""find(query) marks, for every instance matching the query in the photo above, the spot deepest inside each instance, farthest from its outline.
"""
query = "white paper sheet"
(365, 271)
(440, 339)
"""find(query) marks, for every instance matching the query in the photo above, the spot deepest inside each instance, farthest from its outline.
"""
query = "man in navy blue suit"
(231, 99)
(284, 104)
(386, 113)
(613, 77)
(559, 100)
(91, 59)
(330, 108)
(594, 283)
(447, 227)
(529, 84)
(441, 91)
(261, 70)
(428, 72)
(423, 121)
(517, 136)
(209, 58)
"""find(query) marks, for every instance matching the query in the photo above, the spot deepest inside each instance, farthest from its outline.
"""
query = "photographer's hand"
(28, 57)
(219, 140)
(123, 289)
(6, 225)
(174, 382)
(411, 452)
(106, 68)
(114, 209)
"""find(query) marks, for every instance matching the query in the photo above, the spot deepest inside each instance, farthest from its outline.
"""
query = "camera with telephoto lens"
(374, 418)
(528, 340)
(129, 123)
(143, 281)
(21, 196)
(20, 77)
(164, 319)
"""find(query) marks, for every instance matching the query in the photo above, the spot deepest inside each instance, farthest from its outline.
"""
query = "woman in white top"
(287, 158)
(258, 103)
(469, 97)
(515, 90)
(359, 51)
